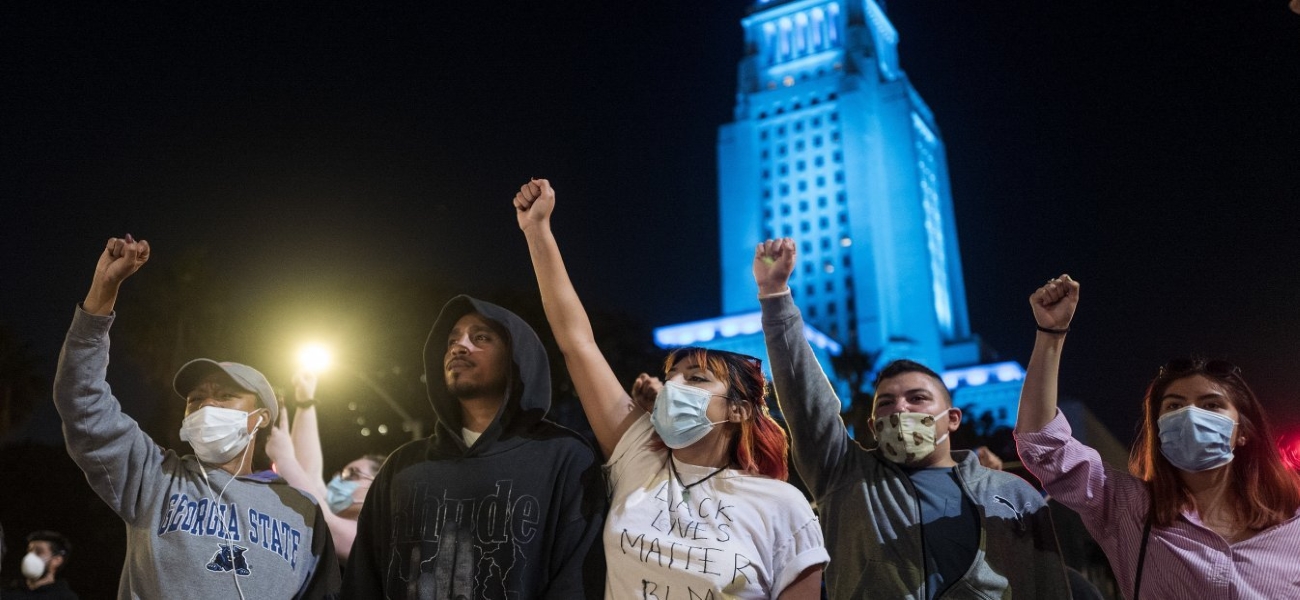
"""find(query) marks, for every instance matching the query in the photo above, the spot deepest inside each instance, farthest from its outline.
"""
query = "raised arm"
(280, 447)
(306, 430)
(119, 460)
(1054, 305)
(608, 406)
(121, 258)
(808, 402)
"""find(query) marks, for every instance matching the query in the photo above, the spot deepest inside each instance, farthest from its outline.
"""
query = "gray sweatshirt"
(185, 539)
(869, 508)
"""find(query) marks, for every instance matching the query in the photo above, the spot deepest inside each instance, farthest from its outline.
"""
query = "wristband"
(305, 403)
(784, 292)
(1053, 331)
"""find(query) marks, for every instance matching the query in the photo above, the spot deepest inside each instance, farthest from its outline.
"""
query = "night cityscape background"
(334, 174)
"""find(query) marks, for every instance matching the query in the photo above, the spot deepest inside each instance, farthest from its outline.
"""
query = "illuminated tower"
(830, 145)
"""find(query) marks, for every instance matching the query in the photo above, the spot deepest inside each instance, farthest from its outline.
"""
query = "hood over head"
(528, 389)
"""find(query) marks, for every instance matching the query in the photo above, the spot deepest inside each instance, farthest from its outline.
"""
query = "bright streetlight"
(317, 358)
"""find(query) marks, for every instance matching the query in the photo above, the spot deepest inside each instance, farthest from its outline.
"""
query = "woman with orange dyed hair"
(699, 505)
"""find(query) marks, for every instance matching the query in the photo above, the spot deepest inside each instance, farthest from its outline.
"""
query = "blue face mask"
(339, 494)
(680, 415)
(1194, 439)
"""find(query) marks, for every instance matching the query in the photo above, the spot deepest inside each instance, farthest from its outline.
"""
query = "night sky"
(1149, 149)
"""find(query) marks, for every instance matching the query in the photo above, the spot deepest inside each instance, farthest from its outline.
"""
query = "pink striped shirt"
(1186, 561)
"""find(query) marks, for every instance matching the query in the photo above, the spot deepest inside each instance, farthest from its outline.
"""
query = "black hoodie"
(517, 515)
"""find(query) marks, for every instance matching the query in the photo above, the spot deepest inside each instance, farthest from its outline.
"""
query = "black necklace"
(686, 489)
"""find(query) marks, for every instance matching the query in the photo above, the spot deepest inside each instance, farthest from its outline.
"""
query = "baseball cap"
(246, 377)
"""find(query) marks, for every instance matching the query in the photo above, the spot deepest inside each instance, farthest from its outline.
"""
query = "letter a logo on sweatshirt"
(229, 557)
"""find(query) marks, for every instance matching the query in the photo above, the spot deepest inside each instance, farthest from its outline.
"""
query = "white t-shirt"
(738, 535)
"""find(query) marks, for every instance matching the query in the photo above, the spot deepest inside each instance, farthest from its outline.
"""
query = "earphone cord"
(225, 534)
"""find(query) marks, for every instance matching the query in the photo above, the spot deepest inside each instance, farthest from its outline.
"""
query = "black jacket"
(517, 515)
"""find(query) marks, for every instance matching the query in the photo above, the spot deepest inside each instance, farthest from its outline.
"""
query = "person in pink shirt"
(1207, 509)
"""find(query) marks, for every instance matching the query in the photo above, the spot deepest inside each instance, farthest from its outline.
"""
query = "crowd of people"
(685, 493)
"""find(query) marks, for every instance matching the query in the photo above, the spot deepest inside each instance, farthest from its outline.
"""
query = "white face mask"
(907, 437)
(33, 566)
(217, 435)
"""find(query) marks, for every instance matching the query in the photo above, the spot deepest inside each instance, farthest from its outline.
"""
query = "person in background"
(298, 459)
(47, 554)
(1207, 509)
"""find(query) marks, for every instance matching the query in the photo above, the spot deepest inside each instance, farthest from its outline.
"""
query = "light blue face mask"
(1194, 439)
(338, 494)
(680, 415)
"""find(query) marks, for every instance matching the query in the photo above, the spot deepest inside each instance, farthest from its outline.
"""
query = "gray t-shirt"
(951, 527)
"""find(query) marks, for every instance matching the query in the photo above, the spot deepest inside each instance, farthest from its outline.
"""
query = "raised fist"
(121, 258)
(773, 263)
(1054, 303)
(534, 203)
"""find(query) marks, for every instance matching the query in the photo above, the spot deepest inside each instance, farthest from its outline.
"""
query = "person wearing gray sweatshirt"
(201, 525)
(912, 518)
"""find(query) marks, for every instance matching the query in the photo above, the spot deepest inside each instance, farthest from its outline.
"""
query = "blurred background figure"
(298, 459)
(47, 554)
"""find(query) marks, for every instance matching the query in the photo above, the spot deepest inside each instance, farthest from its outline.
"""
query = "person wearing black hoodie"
(499, 502)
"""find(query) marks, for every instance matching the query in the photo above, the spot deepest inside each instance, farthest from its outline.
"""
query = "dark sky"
(1148, 148)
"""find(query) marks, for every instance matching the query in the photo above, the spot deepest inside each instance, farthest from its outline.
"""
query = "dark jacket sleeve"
(808, 402)
(325, 580)
(577, 552)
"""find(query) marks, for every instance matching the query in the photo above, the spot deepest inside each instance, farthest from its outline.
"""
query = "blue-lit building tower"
(830, 145)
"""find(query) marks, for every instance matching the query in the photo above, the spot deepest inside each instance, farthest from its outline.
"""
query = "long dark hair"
(1267, 493)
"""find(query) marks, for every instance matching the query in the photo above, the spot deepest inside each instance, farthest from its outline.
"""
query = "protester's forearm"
(1038, 394)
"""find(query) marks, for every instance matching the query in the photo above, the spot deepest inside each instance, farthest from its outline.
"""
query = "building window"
(798, 146)
(803, 206)
(826, 242)
(762, 135)
(839, 177)
(819, 161)
(803, 185)
(785, 231)
(837, 156)
(785, 190)
(824, 223)
(783, 169)
(810, 290)
(785, 210)
(805, 227)
(821, 181)
(816, 121)
(821, 202)
(800, 166)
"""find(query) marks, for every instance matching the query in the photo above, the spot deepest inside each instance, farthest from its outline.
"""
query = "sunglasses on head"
(1214, 367)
